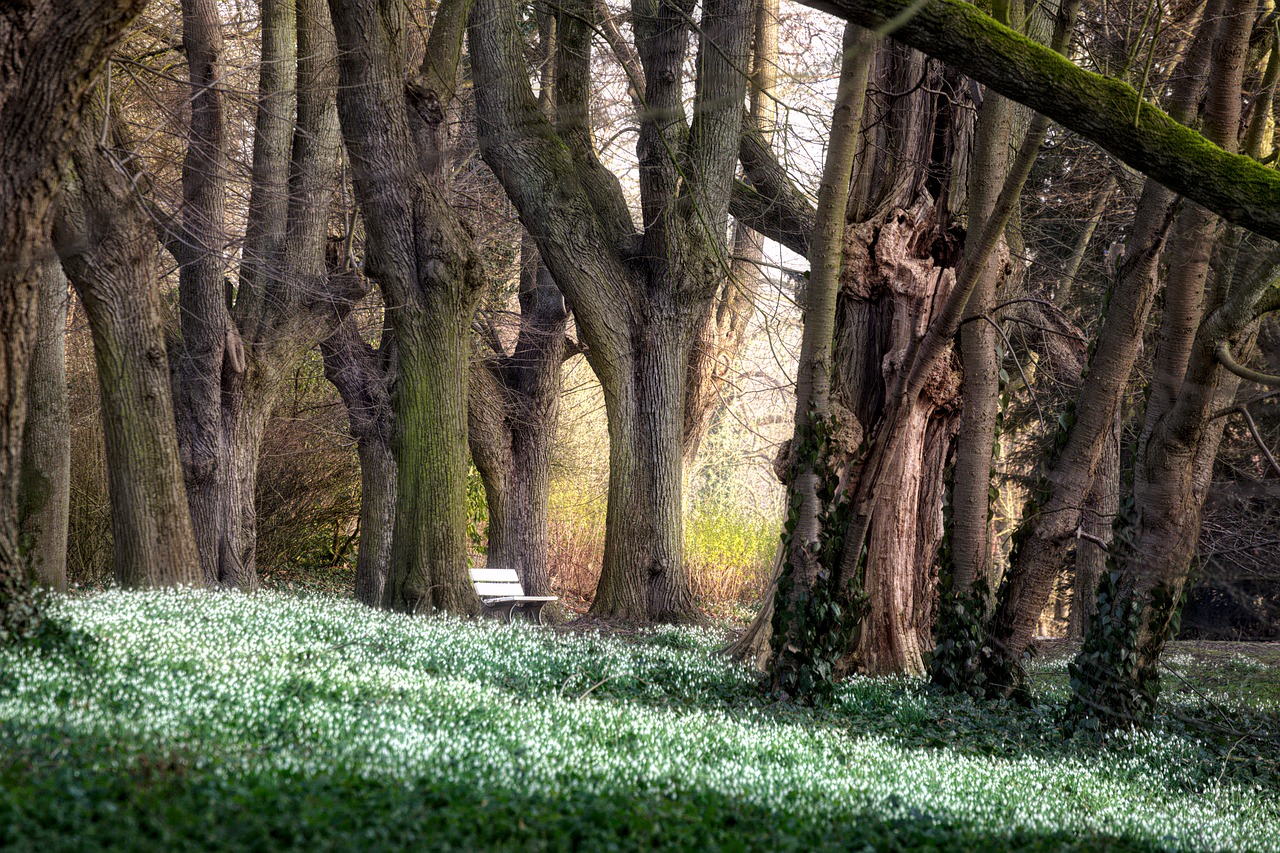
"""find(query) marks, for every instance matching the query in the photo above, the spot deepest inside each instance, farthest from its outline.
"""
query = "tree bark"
(211, 354)
(44, 489)
(424, 260)
(108, 248)
(364, 376)
(971, 539)
(638, 299)
(50, 54)
(815, 454)
(719, 339)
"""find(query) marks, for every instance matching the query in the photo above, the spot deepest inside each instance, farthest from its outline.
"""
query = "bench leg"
(537, 612)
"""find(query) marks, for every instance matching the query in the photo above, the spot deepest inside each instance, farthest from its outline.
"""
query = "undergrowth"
(199, 720)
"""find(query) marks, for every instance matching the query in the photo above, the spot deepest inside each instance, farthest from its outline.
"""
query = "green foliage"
(1115, 680)
(200, 720)
(477, 512)
(811, 628)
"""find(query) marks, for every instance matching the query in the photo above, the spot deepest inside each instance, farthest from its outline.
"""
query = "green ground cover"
(198, 720)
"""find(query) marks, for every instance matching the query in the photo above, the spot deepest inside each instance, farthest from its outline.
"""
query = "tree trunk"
(49, 56)
(514, 408)
(424, 260)
(714, 353)
(44, 490)
(1100, 509)
(108, 248)
(363, 377)
(428, 568)
(971, 532)
(211, 357)
(644, 575)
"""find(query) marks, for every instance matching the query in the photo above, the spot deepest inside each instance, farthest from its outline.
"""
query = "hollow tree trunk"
(109, 250)
(888, 290)
(44, 489)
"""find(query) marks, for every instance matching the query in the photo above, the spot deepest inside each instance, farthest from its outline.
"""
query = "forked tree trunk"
(235, 354)
(513, 411)
(638, 299)
(424, 260)
(44, 491)
(109, 250)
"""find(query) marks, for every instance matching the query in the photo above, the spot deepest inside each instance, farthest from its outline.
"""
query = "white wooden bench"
(500, 592)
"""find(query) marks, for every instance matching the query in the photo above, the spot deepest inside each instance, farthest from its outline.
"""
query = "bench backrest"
(496, 582)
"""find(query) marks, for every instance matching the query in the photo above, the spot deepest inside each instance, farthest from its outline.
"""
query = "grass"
(198, 720)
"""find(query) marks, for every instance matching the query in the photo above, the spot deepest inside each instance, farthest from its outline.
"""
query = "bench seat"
(501, 593)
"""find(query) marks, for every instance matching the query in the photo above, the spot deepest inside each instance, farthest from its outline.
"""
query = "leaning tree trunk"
(108, 248)
(1050, 523)
(44, 490)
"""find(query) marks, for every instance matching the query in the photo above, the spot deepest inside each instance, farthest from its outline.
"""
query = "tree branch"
(1102, 109)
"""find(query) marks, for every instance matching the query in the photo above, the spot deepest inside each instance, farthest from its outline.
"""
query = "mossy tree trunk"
(424, 260)
(44, 492)
(108, 247)
(50, 54)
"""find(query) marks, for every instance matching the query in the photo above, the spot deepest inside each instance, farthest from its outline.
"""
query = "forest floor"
(200, 720)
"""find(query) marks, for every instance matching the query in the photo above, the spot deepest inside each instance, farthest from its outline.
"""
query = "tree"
(638, 298)
(423, 258)
(108, 246)
(237, 349)
(49, 55)
(44, 489)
